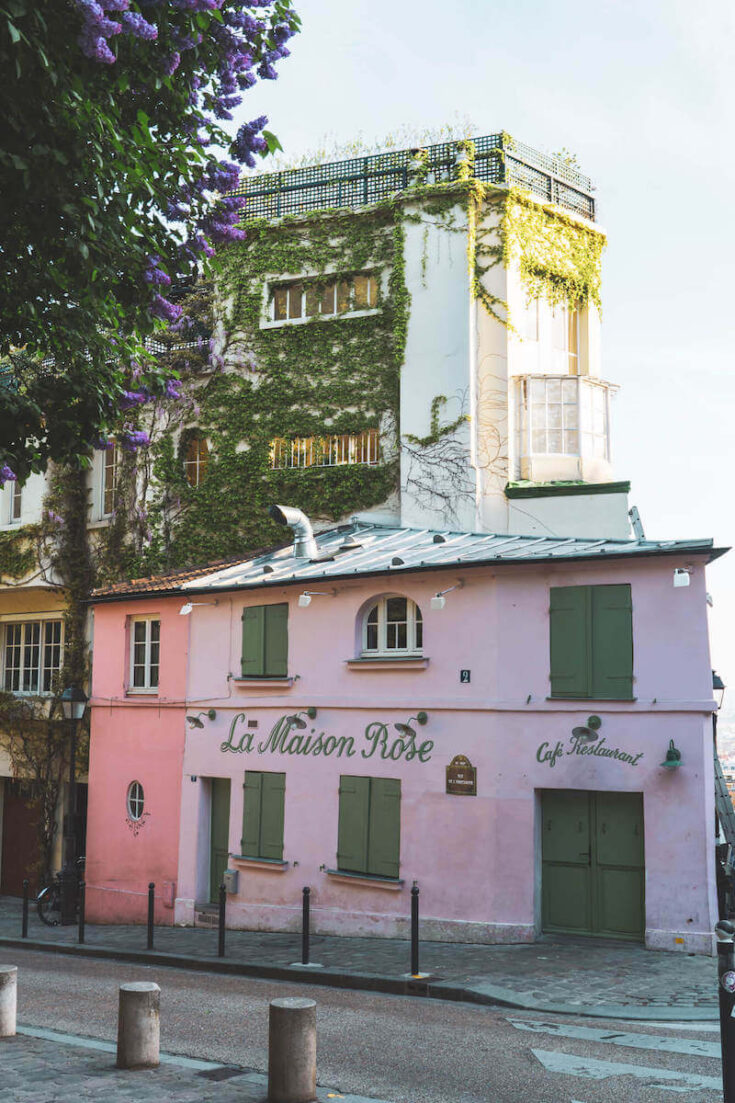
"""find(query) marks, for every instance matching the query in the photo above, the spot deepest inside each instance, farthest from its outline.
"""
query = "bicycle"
(48, 900)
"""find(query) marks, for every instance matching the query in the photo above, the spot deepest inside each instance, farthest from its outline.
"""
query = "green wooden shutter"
(612, 642)
(352, 837)
(570, 641)
(253, 637)
(276, 640)
(384, 839)
(271, 816)
(252, 799)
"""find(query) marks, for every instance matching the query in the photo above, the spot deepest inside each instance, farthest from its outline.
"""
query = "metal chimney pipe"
(304, 544)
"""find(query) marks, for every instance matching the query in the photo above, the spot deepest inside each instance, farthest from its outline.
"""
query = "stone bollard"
(138, 1025)
(292, 1051)
(8, 999)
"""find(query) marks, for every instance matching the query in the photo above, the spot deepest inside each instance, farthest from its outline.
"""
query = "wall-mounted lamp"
(439, 601)
(587, 733)
(406, 729)
(305, 598)
(719, 685)
(681, 576)
(296, 720)
(187, 608)
(673, 757)
(211, 714)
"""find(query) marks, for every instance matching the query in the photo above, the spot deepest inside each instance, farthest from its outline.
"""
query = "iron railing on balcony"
(330, 451)
(359, 181)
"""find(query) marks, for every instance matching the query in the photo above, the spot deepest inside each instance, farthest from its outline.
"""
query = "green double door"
(593, 869)
(219, 842)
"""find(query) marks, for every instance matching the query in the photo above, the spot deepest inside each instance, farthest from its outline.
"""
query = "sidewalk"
(574, 976)
(42, 1066)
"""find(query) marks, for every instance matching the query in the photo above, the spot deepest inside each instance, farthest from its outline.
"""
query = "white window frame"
(148, 686)
(592, 403)
(563, 357)
(269, 321)
(383, 650)
(135, 800)
(15, 503)
(114, 453)
(43, 643)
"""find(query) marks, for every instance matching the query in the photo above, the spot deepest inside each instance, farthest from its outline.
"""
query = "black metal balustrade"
(360, 181)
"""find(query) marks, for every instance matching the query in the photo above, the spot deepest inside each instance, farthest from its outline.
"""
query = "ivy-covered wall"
(326, 375)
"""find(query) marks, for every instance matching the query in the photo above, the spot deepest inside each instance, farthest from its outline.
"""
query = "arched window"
(392, 626)
(196, 458)
(135, 800)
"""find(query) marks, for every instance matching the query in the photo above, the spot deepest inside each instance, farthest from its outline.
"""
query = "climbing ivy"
(18, 554)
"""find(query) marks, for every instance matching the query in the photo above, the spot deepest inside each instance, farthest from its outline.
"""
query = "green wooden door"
(592, 879)
(219, 834)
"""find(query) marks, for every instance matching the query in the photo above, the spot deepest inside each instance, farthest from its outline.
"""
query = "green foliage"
(18, 553)
(437, 431)
(92, 157)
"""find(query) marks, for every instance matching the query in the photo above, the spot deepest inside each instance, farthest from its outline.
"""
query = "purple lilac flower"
(130, 399)
(55, 518)
(7, 475)
(133, 439)
(173, 388)
(133, 23)
(162, 308)
(153, 274)
(103, 444)
(171, 64)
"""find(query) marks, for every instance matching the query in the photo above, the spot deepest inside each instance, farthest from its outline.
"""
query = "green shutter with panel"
(591, 636)
(354, 812)
(253, 641)
(265, 641)
(384, 836)
(272, 815)
(253, 787)
(612, 642)
(570, 641)
(276, 641)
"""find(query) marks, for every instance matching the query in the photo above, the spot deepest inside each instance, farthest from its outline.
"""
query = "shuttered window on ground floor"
(369, 833)
(262, 818)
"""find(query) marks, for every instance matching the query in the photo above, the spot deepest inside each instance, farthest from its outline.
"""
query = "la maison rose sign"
(288, 736)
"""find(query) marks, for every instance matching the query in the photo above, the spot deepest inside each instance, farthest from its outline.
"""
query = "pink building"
(486, 716)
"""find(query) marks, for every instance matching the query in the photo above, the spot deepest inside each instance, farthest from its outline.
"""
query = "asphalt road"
(405, 1050)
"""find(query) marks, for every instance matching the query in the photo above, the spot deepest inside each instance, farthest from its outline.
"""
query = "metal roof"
(362, 548)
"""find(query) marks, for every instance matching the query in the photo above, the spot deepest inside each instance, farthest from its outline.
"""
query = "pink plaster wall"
(475, 858)
(135, 737)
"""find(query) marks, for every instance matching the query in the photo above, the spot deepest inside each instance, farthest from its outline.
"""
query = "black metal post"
(24, 933)
(82, 888)
(726, 991)
(68, 875)
(151, 906)
(415, 930)
(222, 907)
(305, 925)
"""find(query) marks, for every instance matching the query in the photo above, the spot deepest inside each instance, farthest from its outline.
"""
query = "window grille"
(32, 655)
(330, 451)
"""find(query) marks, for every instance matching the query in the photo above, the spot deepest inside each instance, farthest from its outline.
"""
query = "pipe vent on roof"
(304, 544)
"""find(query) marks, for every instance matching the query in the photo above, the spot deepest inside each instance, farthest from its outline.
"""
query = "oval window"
(135, 800)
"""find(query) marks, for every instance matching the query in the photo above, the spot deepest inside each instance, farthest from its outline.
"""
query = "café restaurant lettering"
(577, 745)
(289, 736)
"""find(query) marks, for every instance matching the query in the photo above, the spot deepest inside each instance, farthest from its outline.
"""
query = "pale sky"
(642, 92)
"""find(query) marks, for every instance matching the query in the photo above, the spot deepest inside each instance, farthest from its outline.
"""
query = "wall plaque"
(461, 777)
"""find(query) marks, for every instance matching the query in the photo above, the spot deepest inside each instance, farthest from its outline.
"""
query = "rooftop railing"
(360, 181)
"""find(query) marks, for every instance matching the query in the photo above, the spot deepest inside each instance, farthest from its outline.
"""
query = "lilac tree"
(116, 178)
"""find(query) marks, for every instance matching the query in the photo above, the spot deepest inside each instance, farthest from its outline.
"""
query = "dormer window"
(392, 626)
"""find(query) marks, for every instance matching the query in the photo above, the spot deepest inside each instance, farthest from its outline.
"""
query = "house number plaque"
(461, 777)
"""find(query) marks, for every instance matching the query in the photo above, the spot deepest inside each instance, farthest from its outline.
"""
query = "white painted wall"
(599, 515)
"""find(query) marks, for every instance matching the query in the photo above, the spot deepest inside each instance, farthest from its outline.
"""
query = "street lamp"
(73, 704)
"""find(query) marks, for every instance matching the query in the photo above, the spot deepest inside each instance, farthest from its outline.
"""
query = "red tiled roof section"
(173, 580)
